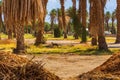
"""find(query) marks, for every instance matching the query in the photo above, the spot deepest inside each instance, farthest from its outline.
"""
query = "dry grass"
(13, 67)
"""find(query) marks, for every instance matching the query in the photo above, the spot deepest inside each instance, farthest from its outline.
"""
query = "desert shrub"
(57, 32)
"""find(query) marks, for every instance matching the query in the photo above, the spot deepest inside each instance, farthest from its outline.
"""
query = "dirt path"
(68, 66)
(68, 42)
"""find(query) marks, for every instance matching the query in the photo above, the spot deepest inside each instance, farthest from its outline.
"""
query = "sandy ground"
(68, 42)
(69, 66)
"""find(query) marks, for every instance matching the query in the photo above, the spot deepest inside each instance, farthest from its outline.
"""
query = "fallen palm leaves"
(13, 67)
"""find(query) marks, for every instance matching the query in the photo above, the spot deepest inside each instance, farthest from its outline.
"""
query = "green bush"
(57, 32)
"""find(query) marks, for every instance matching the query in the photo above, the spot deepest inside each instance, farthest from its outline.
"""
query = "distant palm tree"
(60, 20)
(53, 15)
(107, 18)
(113, 30)
(79, 11)
(62, 2)
(84, 18)
(75, 18)
(59, 17)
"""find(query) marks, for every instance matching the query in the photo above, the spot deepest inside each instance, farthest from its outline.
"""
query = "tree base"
(83, 42)
(17, 51)
(43, 41)
(94, 42)
(76, 36)
(102, 43)
(117, 42)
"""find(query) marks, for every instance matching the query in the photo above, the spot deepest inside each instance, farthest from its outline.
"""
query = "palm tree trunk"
(79, 11)
(107, 26)
(20, 47)
(9, 34)
(63, 18)
(92, 25)
(101, 37)
(0, 19)
(118, 22)
(84, 12)
(94, 41)
(113, 31)
(14, 31)
(39, 37)
(74, 12)
(52, 25)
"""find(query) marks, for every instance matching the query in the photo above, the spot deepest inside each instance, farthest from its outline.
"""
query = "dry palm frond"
(21, 11)
(13, 67)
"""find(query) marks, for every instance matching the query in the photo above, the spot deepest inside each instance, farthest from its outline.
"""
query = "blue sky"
(54, 4)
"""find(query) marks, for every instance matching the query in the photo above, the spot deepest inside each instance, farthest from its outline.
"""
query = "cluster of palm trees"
(108, 17)
(79, 18)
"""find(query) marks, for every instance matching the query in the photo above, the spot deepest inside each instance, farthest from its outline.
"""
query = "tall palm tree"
(18, 13)
(79, 11)
(59, 17)
(63, 17)
(100, 23)
(60, 21)
(92, 26)
(53, 15)
(118, 22)
(0, 17)
(41, 20)
(84, 22)
(74, 6)
(113, 31)
(74, 17)
(107, 18)
(98, 19)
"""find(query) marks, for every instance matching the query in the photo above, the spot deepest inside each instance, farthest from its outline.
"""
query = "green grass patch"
(3, 35)
(82, 49)
(7, 47)
(29, 36)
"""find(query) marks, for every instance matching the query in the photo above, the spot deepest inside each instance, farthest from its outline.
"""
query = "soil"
(109, 70)
(68, 66)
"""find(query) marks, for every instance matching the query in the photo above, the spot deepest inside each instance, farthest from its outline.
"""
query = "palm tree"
(118, 22)
(0, 17)
(74, 16)
(63, 17)
(107, 18)
(84, 16)
(100, 23)
(9, 31)
(113, 31)
(74, 6)
(41, 21)
(97, 14)
(53, 15)
(79, 11)
(92, 26)
(18, 13)
(59, 17)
